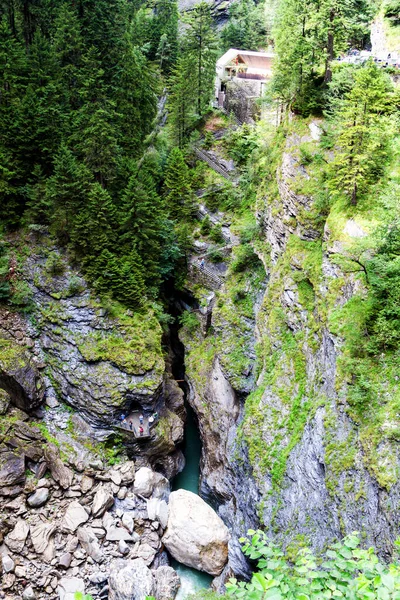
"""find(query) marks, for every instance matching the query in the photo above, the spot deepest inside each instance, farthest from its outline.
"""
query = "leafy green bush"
(189, 321)
(245, 258)
(216, 234)
(55, 264)
(383, 271)
(346, 571)
(21, 295)
(75, 286)
(4, 265)
(215, 255)
(205, 226)
(392, 11)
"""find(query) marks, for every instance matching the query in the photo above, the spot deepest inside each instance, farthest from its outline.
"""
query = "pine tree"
(67, 192)
(201, 46)
(145, 221)
(178, 192)
(181, 100)
(164, 27)
(362, 132)
(68, 46)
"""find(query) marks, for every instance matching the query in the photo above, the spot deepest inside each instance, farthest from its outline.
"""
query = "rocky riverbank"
(94, 528)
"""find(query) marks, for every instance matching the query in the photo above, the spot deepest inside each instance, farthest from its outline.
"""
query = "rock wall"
(281, 446)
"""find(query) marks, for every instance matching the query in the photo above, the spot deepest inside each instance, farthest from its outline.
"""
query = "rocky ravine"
(288, 456)
(101, 362)
(70, 521)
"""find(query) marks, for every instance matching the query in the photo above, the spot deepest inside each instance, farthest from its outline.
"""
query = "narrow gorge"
(199, 300)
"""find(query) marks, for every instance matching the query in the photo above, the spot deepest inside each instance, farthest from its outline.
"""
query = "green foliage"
(179, 195)
(79, 99)
(346, 571)
(392, 11)
(192, 81)
(246, 27)
(308, 36)
(241, 143)
(363, 127)
(245, 258)
(189, 321)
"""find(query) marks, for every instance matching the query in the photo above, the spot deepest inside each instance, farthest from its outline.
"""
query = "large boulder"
(102, 501)
(19, 376)
(149, 483)
(15, 540)
(130, 580)
(195, 535)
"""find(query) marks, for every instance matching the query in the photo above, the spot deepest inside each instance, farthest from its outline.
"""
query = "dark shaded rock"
(5, 401)
(12, 469)
(65, 560)
(19, 376)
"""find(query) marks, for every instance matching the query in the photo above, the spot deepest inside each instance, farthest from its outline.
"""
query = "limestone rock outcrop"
(195, 535)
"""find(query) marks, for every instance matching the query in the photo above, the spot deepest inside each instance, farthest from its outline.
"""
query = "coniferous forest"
(200, 299)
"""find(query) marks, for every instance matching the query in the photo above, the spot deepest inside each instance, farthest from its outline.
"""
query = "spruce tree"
(178, 192)
(181, 100)
(362, 132)
(201, 46)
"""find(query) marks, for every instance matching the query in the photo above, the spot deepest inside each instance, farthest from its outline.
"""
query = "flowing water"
(191, 580)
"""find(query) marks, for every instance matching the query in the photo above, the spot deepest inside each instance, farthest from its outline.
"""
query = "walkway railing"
(213, 163)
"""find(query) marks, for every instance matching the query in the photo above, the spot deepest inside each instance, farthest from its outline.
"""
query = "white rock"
(127, 471)
(28, 593)
(123, 547)
(42, 540)
(98, 577)
(69, 586)
(148, 483)
(90, 544)
(128, 522)
(8, 564)
(195, 535)
(103, 500)
(75, 516)
(116, 477)
(15, 540)
(157, 510)
(39, 498)
(115, 534)
(20, 571)
(130, 579)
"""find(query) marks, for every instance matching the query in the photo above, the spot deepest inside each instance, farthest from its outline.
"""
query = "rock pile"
(99, 531)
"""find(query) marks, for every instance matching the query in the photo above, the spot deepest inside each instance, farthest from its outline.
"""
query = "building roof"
(255, 60)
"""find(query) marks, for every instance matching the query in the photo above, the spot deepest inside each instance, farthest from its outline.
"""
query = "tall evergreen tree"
(362, 132)
(178, 192)
(200, 44)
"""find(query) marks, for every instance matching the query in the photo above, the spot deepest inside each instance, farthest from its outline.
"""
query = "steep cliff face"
(287, 427)
(95, 357)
